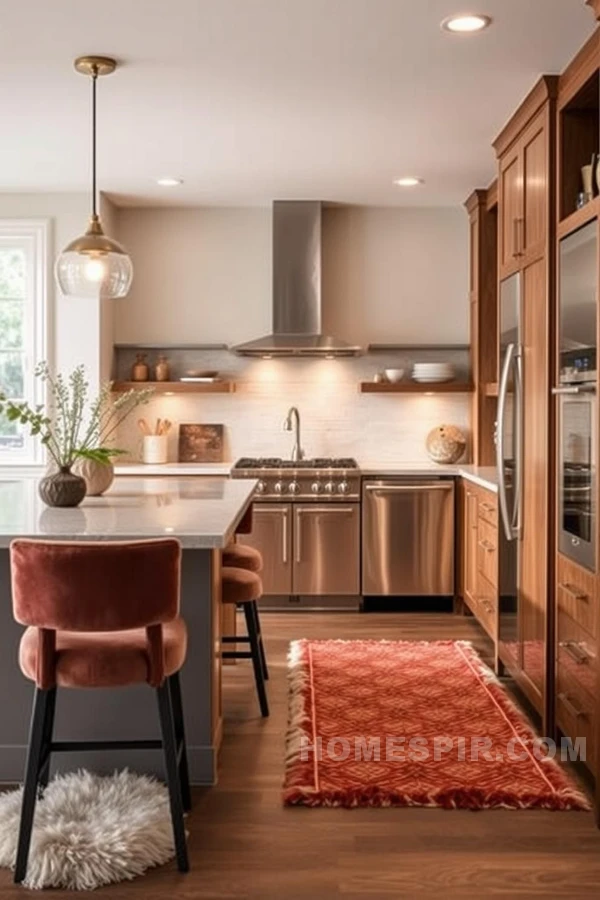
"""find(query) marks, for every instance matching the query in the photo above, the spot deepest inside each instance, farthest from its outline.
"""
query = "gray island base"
(202, 513)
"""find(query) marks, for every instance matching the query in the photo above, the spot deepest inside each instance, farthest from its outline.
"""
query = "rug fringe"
(299, 720)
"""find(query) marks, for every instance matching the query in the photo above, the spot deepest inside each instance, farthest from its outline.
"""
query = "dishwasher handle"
(403, 488)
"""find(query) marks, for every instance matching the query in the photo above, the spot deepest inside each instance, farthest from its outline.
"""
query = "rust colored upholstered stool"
(243, 588)
(84, 632)
(241, 556)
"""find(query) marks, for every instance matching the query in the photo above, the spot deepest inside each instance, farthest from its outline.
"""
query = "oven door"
(577, 477)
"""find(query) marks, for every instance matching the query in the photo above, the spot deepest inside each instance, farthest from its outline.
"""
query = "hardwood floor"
(244, 844)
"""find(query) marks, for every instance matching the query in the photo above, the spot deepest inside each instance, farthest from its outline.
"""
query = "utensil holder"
(155, 449)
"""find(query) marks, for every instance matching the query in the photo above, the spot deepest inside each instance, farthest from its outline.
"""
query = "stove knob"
(343, 487)
(294, 487)
(329, 487)
(316, 487)
(261, 487)
(278, 487)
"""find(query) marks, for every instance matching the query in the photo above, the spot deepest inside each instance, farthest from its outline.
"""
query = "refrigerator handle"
(500, 445)
(518, 419)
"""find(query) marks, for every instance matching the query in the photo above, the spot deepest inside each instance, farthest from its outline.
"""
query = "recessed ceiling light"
(466, 23)
(169, 181)
(409, 181)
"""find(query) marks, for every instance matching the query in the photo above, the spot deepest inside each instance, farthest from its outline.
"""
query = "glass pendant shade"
(93, 265)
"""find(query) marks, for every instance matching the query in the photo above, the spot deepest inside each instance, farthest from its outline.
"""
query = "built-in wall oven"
(577, 397)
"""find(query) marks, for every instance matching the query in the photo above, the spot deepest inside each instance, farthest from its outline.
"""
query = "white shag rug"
(91, 831)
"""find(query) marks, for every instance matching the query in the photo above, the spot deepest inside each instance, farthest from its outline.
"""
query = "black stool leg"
(256, 659)
(37, 732)
(178, 720)
(263, 656)
(48, 733)
(165, 712)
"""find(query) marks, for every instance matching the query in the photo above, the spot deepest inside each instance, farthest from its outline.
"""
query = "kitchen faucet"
(297, 451)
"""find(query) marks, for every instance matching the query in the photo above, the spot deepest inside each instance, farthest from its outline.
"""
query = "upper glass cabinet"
(577, 305)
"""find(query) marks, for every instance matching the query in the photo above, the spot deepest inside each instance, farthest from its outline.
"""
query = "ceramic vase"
(62, 488)
(98, 476)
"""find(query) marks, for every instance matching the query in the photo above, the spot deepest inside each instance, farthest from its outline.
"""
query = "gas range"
(322, 478)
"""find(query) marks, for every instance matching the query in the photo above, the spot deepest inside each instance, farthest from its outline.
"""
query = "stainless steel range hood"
(297, 288)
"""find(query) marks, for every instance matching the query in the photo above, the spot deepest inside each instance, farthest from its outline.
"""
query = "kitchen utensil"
(394, 375)
(144, 427)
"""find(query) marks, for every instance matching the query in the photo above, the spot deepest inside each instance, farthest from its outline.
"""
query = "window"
(23, 328)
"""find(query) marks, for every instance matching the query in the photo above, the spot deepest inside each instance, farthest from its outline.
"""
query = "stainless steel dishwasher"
(408, 537)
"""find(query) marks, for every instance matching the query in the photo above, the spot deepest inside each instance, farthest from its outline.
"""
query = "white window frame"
(33, 236)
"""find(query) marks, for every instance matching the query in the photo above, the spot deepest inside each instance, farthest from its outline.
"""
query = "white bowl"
(394, 375)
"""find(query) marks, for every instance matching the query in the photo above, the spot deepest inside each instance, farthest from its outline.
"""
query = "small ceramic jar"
(140, 370)
(162, 370)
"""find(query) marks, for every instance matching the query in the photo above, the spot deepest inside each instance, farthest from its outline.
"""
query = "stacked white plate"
(430, 373)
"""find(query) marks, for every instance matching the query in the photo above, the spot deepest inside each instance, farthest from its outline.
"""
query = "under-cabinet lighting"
(169, 181)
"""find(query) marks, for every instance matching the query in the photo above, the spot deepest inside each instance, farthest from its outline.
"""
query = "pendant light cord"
(94, 80)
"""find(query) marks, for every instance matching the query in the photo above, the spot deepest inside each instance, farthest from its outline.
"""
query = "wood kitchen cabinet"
(526, 250)
(524, 150)
(577, 599)
(482, 208)
(480, 554)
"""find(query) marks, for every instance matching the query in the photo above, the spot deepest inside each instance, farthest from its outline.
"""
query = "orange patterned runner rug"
(404, 723)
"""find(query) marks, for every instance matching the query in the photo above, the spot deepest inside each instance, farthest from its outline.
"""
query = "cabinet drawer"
(487, 551)
(488, 508)
(576, 657)
(487, 606)
(576, 593)
(575, 716)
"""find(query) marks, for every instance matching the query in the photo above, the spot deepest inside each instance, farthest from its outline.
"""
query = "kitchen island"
(202, 513)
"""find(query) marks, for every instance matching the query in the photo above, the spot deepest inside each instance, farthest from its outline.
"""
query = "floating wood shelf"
(413, 387)
(579, 218)
(176, 387)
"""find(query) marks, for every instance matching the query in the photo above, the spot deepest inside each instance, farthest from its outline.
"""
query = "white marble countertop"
(201, 512)
(174, 468)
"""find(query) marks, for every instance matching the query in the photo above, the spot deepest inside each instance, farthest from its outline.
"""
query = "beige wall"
(204, 275)
(200, 275)
(396, 275)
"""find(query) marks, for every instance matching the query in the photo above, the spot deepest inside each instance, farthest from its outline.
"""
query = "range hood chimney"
(297, 327)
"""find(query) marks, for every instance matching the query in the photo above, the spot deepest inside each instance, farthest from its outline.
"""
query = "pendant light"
(93, 265)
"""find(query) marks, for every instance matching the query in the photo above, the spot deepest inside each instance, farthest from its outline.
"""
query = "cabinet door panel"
(532, 233)
(327, 549)
(533, 586)
(271, 534)
(511, 211)
(470, 547)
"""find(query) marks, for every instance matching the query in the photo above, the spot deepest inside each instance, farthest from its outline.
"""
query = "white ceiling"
(250, 100)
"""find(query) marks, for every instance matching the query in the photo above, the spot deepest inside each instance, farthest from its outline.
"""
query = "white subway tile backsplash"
(337, 419)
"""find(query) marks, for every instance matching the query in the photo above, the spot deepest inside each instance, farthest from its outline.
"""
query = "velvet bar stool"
(241, 556)
(243, 588)
(100, 616)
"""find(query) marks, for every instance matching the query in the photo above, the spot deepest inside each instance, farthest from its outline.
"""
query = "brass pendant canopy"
(93, 265)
